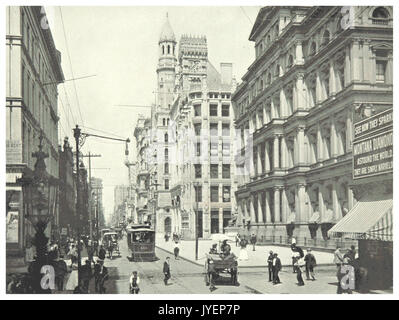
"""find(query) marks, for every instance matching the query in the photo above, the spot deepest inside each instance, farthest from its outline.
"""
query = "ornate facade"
(313, 66)
(33, 71)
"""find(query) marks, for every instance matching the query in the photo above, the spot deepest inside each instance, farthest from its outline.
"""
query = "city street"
(189, 278)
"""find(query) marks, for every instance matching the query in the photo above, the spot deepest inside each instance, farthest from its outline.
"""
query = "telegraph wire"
(70, 65)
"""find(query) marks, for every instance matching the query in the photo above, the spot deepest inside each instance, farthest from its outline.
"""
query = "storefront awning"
(370, 218)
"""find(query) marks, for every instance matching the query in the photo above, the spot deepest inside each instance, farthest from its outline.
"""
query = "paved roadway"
(189, 278)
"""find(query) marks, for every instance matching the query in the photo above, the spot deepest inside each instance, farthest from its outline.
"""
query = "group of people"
(349, 273)
(299, 261)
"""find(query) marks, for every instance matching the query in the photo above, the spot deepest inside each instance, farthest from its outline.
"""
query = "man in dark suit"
(166, 270)
(270, 265)
(276, 268)
(310, 263)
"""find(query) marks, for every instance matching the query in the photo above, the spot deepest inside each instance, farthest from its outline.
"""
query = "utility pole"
(89, 155)
(76, 134)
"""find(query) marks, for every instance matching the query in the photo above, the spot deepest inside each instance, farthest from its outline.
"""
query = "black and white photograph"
(198, 149)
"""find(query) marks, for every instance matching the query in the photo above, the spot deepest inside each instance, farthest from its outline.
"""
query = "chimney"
(226, 72)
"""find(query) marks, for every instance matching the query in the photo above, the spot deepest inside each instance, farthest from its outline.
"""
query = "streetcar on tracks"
(141, 242)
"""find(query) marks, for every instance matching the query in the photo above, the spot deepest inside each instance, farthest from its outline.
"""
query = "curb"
(242, 267)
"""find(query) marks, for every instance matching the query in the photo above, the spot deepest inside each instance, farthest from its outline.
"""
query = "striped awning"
(370, 218)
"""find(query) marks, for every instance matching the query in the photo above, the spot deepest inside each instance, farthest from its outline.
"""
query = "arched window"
(380, 13)
(326, 38)
(166, 137)
(163, 49)
(168, 49)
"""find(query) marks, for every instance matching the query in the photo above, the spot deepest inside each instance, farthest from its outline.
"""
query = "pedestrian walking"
(295, 249)
(338, 257)
(101, 253)
(211, 275)
(100, 276)
(61, 270)
(134, 282)
(110, 249)
(176, 250)
(344, 271)
(86, 274)
(270, 265)
(276, 268)
(298, 267)
(73, 254)
(243, 251)
(90, 252)
(238, 239)
(166, 270)
(253, 241)
(310, 264)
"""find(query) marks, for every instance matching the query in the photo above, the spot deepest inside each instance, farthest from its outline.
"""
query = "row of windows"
(214, 129)
(211, 95)
(214, 193)
(214, 171)
(213, 110)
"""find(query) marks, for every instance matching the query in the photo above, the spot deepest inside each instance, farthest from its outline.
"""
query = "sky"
(119, 45)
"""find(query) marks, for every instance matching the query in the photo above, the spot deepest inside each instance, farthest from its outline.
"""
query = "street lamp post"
(76, 134)
(39, 202)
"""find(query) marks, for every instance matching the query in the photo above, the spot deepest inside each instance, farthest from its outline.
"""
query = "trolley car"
(141, 242)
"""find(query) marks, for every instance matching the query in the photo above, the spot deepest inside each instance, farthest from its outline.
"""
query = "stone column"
(264, 106)
(252, 209)
(268, 202)
(366, 61)
(299, 53)
(260, 170)
(276, 152)
(334, 149)
(321, 202)
(300, 141)
(355, 54)
(284, 206)
(277, 217)
(260, 210)
(331, 80)
(300, 93)
(267, 157)
(283, 104)
(347, 69)
(320, 156)
(350, 198)
(335, 202)
(300, 203)
(318, 88)
(272, 111)
(284, 164)
(349, 130)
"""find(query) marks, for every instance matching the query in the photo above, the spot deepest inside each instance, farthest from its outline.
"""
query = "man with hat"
(276, 268)
(270, 265)
(310, 263)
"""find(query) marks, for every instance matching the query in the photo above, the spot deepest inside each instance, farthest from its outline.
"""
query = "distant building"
(97, 188)
(67, 187)
(33, 71)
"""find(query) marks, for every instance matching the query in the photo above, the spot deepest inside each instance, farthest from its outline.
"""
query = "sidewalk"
(256, 258)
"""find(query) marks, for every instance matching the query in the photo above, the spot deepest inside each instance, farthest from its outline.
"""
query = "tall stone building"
(33, 71)
(144, 169)
(314, 67)
(195, 154)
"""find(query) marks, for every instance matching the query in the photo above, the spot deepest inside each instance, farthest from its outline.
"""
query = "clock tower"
(166, 65)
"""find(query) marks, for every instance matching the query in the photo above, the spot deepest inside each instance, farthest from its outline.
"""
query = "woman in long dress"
(243, 251)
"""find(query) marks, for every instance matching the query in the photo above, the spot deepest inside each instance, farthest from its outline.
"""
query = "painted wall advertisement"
(373, 145)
